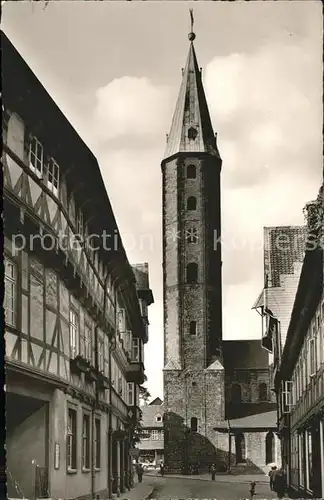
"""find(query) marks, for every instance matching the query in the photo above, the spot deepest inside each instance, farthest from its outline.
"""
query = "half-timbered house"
(299, 378)
(75, 309)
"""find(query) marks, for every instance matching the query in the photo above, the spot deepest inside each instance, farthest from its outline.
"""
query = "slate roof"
(244, 354)
(266, 420)
(191, 111)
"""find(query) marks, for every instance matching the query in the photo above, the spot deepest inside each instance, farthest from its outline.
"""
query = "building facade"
(250, 408)
(75, 310)
(284, 250)
(202, 425)
(193, 370)
(299, 379)
(151, 445)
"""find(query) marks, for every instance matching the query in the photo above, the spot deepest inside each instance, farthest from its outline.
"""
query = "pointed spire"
(191, 130)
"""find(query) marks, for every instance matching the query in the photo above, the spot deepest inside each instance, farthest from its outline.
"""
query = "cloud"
(131, 106)
(268, 113)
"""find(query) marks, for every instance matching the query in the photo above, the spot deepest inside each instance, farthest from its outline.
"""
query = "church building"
(201, 426)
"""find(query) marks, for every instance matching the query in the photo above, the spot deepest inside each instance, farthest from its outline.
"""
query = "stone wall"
(187, 395)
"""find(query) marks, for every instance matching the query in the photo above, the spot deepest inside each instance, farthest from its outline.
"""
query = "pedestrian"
(140, 470)
(279, 483)
(162, 468)
(213, 472)
(272, 473)
(252, 489)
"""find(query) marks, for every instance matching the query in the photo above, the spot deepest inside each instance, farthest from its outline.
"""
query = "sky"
(114, 69)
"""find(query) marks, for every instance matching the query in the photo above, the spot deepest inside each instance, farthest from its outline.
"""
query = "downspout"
(94, 407)
(112, 346)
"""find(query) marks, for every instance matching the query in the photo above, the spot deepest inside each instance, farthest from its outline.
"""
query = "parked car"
(149, 465)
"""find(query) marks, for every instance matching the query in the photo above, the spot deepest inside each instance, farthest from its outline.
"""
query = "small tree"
(137, 429)
(137, 432)
(144, 394)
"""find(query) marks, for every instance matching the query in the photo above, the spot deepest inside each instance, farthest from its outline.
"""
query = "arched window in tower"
(239, 448)
(192, 273)
(270, 447)
(193, 328)
(236, 394)
(194, 424)
(191, 203)
(191, 171)
(263, 392)
(192, 133)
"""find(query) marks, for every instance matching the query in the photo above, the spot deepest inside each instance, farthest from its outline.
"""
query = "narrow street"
(181, 488)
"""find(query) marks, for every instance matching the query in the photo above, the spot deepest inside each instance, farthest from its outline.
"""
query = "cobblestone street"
(184, 488)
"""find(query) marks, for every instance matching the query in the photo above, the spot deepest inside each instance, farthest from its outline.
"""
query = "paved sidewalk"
(141, 491)
(224, 478)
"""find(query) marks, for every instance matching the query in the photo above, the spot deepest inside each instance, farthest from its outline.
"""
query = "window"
(74, 332)
(100, 354)
(270, 447)
(97, 443)
(53, 174)
(192, 133)
(192, 235)
(158, 417)
(309, 462)
(87, 342)
(36, 157)
(287, 399)
(10, 292)
(72, 440)
(194, 424)
(145, 435)
(302, 459)
(191, 172)
(191, 203)
(240, 448)
(121, 321)
(80, 225)
(130, 393)
(128, 341)
(135, 349)
(263, 392)
(120, 386)
(236, 394)
(86, 442)
(155, 435)
(312, 356)
(193, 328)
(192, 273)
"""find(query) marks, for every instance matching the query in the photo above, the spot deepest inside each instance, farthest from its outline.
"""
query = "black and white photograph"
(163, 221)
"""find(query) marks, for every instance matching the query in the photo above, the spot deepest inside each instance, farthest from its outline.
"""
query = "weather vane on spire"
(191, 35)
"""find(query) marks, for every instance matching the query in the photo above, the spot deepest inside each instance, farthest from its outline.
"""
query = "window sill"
(72, 471)
(97, 469)
(85, 469)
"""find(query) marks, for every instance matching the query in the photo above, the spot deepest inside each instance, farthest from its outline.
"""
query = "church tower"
(193, 370)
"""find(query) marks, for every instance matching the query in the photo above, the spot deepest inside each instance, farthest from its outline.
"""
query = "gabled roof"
(156, 401)
(149, 414)
(191, 112)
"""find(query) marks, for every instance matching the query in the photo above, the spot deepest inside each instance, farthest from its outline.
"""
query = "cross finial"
(191, 36)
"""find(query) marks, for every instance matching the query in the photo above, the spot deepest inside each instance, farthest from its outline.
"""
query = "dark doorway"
(270, 447)
(240, 448)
